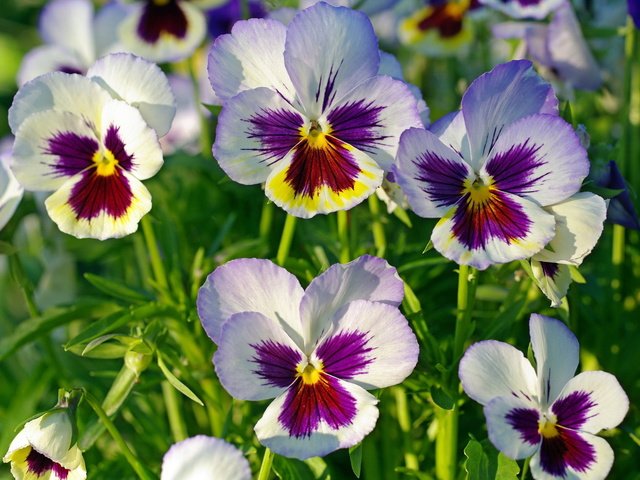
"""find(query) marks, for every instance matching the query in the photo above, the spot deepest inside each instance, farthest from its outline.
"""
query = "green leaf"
(115, 289)
(441, 398)
(576, 276)
(103, 351)
(355, 456)
(7, 249)
(604, 192)
(214, 109)
(177, 384)
(484, 462)
(428, 247)
(401, 214)
(291, 469)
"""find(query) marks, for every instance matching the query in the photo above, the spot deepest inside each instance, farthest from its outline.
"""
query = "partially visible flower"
(305, 110)
(201, 457)
(10, 190)
(537, 9)
(91, 140)
(560, 48)
(579, 224)
(488, 169)
(43, 450)
(74, 38)
(550, 415)
(221, 19)
(634, 11)
(316, 351)
(185, 129)
(621, 209)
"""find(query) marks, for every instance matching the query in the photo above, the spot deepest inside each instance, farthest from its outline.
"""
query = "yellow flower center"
(315, 136)
(479, 192)
(547, 427)
(309, 373)
(105, 163)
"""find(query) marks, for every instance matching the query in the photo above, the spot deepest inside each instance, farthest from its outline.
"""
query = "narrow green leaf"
(576, 276)
(104, 351)
(441, 398)
(401, 214)
(115, 289)
(355, 457)
(177, 384)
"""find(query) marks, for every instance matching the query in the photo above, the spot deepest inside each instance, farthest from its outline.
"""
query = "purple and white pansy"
(316, 351)
(91, 139)
(550, 414)
(202, 457)
(305, 110)
(488, 169)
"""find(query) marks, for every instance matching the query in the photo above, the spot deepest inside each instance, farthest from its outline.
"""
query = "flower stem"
(446, 443)
(404, 421)
(525, 468)
(285, 239)
(466, 293)
(157, 266)
(343, 236)
(265, 468)
(379, 238)
(176, 422)
(266, 219)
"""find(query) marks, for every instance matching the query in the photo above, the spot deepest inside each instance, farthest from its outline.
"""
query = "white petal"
(491, 369)
(50, 434)
(139, 83)
(553, 279)
(202, 457)
(10, 191)
(556, 349)
(68, 23)
(518, 9)
(452, 131)
(21, 440)
(512, 423)
(250, 285)
(48, 58)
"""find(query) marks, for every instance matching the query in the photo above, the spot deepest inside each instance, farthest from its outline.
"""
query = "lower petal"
(553, 279)
(500, 229)
(314, 420)
(512, 423)
(89, 205)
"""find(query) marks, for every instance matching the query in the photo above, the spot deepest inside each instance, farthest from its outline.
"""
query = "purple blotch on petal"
(157, 18)
(346, 354)
(356, 122)
(74, 152)
(525, 421)
(40, 465)
(95, 194)
(447, 20)
(443, 179)
(69, 69)
(113, 143)
(276, 363)
(513, 170)
(306, 405)
(549, 269)
(574, 410)
(568, 449)
(277, 130)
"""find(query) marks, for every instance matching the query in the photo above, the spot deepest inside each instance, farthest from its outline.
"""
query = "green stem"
(343, 236)
(285, 239)
(404, 421)
(525, 468)
(266, 219)
(157, 266)
(140, 470)
(379, 238)
(466, 293)
(446, 443)
(617, 260)
(176, 422)
(265, 468)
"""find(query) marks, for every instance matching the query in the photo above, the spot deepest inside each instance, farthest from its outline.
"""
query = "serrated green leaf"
(441, 398)
(355, 457)
(484, 462)
(116, 289)
(177, 384)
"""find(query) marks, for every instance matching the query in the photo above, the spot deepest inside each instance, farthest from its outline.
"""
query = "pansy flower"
(548, 414)
(316, 351)
(488, 169)
(202, 457)
(10, 190)
(579, 224)
(42, 450)
(621, 209)
(524, 8)
(92, 140)
(305, 110)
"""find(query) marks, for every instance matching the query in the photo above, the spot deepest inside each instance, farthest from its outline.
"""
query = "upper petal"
(68, 23)
(49, 58)
(251, 56)
(556, 349)
(491, 369)
(328, 51)
(198, 457)
(249, 285)
(512, 423)
(139, 83)
(369, 344)
(579, 224)
(498, 98)
(523, 9)
(366, 278)
(50, 434)
(452, 131)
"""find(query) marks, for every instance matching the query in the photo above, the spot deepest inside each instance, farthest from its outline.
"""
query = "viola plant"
(305, 111)
(548, 413)
(92, 139)
(316, 351)
(488, 169)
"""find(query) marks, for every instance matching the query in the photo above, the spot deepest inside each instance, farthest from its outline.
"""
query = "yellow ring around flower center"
(548, 428)
(105, 163)
(478, 191)
(315, 135)
(309, 373)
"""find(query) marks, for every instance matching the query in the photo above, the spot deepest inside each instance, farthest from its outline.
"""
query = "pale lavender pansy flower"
(316, 351)
(91, 140)
(550, 414)
(579, 224)
(10, 190)
(201, 457)
(74, 38)
(537, 9)
(488, 169)
(305, 110)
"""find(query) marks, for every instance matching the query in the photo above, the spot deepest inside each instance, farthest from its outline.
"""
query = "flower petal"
(139, 83)
(572, 455)
(500, 97)
(255, 359)
(512, 423)
(369, 344)
(496, 229)
(372, 116)
(452, 131)
(524, 9)
(250, 285)
(365, 278)
(49, 58)
(200, 456)
(89, 205)
(491, 369)
(314, 179)
(553, 279)
(68, 24)
(256, 129)
(328, 416)
(10, 190)
(590, 402)
(328, 51)
(252, 56)
(539, 157)
(50, 434)
(579, 224)
(556, 349)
